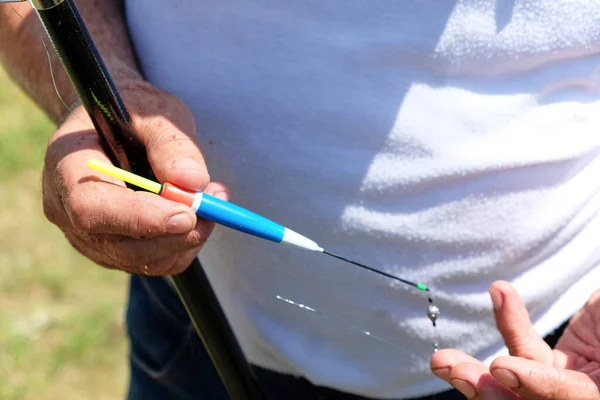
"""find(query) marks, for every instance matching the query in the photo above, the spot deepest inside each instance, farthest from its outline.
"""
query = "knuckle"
(49, 206)
(123, 254)
(560, 383)
(137, 228)
(164, 267)
(54, 151)
(185, 261)
(181, 262)
(76, 243)
(171, 263)
(523, 351)
(195, 240)
(170, 137)
(178, 267)
(81, 216)
(87, 246)
(513, 340)
(55, 184)
(134, 225)
(135, 254)
(141, 223)
(119, 253)
(53, 177)
(52, 205)
(547, 384)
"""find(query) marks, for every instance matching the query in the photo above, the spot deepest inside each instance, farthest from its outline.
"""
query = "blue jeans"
(169, 362)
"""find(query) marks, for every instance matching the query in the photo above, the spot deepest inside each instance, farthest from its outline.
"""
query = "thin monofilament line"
(39, 36)
(419, 286)
(343, 323)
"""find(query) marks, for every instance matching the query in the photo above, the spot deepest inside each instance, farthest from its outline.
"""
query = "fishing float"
(232, 216)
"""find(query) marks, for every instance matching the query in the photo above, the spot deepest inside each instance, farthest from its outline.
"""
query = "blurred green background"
(62, 334)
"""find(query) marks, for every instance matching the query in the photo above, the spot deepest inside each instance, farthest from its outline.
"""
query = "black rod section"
(100, 97)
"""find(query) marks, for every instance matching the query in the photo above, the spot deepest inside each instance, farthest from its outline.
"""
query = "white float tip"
(295, 239)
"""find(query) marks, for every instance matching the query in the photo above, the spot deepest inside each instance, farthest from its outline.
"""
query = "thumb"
(533, 380)
(173, 152)
(513, 322)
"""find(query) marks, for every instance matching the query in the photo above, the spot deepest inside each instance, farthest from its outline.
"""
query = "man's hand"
(114, 226)
(117, 227)
(533, 371)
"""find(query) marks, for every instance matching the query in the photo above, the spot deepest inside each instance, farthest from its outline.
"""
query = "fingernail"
(496, 299)
(187, 163)
(506, 377)
(222, 195)
(464, 387)
(443, 373)
(180, 223)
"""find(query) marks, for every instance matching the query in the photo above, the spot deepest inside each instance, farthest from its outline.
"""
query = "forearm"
(23, 55)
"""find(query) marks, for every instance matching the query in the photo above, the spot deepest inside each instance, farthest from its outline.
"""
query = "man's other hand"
(533, 371)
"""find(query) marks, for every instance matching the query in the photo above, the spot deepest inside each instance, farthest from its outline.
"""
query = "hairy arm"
(23, 55)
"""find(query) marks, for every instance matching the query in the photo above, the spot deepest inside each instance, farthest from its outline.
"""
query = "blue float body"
(238, 218)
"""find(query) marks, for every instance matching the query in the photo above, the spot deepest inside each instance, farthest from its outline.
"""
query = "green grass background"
(61, 317)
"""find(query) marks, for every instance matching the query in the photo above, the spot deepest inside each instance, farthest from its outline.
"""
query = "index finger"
(513, 322)
(170, 141)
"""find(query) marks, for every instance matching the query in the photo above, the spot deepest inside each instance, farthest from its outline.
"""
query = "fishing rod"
(100, 97)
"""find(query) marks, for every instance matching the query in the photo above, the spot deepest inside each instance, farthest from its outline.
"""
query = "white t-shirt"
(450, 142)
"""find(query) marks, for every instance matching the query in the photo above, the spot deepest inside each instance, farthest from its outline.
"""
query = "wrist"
(125, 78)
(123, 71)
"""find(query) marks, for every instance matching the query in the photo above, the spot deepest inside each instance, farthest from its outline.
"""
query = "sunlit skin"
(533, 370)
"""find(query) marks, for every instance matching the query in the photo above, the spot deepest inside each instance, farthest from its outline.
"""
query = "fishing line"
(336, 320)
(39, 36)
